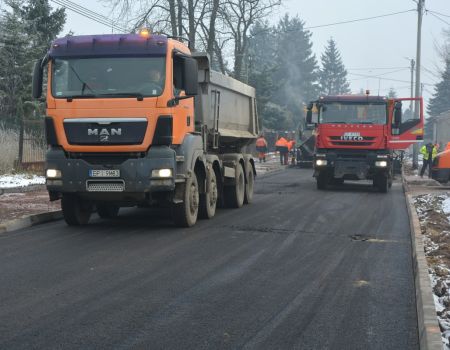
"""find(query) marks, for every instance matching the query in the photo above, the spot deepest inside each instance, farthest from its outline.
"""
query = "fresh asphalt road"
(297, 269)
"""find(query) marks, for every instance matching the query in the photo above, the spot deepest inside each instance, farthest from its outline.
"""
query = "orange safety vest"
(282, 142)
(261, 142)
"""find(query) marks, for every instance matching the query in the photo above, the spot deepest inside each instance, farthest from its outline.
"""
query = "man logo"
(104, 133)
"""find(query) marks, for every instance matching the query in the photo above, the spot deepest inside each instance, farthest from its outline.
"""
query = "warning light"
(144, 32)
(367, 92)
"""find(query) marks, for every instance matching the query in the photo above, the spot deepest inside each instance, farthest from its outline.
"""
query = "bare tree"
(215, 26)
(239, 16)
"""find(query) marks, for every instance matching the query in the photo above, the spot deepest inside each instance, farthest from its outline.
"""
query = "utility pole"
(412, 83)
(420, 6)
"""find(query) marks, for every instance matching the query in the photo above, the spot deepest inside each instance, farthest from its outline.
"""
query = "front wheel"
(185, 214)
(382, 183)
(75, 211)
(322, 181)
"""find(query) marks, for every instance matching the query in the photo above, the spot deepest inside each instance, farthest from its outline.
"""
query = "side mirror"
(397, 113)
(37, 79)
(190, 76)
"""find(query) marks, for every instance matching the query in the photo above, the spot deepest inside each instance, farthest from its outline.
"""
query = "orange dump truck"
(139, 120)
(441, 170)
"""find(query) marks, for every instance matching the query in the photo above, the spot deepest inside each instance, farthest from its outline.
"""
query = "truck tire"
(107, 211)
(208, 200)
(234, 195)
(249, 185)
(322, 181)
(185, 214)
(76, 212)
(382, 183)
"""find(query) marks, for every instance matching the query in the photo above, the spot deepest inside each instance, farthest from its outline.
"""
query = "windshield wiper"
(335, 122)
(71, 97)
(138, 95)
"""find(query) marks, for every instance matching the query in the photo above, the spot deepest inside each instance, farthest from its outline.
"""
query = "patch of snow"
(20, 180)
(446, 206)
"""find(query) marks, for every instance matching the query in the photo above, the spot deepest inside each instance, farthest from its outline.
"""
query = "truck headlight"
(162, 173)
(321, 162)
(381, 163)
(53, 174)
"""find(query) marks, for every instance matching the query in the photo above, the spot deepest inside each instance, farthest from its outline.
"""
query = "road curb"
(428, 326)
(30, 220)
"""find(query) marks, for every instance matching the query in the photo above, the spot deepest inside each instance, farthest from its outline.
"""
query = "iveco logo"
(352, 136)
(104, 133)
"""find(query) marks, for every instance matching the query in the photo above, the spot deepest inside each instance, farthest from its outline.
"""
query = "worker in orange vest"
(261, 147)
(282, 146)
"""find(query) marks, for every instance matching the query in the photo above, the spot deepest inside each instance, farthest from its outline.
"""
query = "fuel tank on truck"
(226, 107)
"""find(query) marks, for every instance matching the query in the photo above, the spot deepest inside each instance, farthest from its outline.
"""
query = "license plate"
(104, 173)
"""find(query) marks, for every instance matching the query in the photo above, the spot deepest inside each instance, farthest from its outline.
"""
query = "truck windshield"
(108, 77)
(353, 113)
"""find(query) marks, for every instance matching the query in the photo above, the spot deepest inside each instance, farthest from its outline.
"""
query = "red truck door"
(405, 125)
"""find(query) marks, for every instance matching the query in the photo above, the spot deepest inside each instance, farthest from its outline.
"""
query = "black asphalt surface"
(297, 269)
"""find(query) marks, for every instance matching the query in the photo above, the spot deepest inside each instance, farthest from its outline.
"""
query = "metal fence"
(32, 145)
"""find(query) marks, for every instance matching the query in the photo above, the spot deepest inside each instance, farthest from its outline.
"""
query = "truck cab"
(357, 137)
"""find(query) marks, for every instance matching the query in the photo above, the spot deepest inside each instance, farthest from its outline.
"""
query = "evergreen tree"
(14, 68)
(332, 75)
(297, 71)
(26, 31)
(263, 63)
(440, 102)
(392, 93)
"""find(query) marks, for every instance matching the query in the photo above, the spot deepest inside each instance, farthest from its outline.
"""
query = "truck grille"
(105, 186)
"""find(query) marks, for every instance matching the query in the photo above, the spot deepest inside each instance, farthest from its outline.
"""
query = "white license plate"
(104, 173)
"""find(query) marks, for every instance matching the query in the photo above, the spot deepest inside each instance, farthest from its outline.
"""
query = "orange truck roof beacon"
(127, 124)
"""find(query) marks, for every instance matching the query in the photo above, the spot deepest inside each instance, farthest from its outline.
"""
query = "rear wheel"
(234, 195)
(185, 214)
(248, 197)
(107, 211)
(208, 200)
(75, 211)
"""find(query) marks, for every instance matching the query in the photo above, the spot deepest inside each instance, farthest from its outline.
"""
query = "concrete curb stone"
(30, 220)
(428, 326)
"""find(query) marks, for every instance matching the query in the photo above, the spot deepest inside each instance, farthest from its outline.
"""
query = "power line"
(359, 19)
(439, 18)
(88, 14)
(377, 68)
(438, 13)
(376, 77)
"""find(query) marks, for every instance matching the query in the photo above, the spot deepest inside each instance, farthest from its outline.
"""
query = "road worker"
(282, 146)
(429, 152)
(261, 147)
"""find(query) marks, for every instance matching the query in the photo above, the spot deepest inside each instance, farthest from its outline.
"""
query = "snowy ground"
(434, 216)
(20, 180)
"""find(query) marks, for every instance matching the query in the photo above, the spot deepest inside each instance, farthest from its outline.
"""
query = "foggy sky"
(377, 43)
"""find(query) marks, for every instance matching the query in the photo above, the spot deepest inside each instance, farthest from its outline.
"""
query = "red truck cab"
(358, 136)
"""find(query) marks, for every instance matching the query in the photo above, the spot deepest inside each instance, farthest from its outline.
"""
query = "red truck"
(358, 137)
